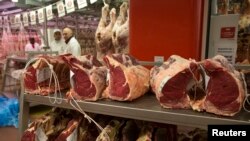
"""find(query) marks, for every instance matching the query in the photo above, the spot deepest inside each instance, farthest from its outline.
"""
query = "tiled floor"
(8, 134)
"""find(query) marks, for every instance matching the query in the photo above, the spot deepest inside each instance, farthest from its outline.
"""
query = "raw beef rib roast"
(37, 76)
(89, 77)
(225, 90)
(172, 80)
(126, 79)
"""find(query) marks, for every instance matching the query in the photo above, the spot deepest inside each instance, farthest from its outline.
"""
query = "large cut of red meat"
(172, 80)
(40, 68)
(89, 77)
(225, 90)
(71, 127)
(126, 79)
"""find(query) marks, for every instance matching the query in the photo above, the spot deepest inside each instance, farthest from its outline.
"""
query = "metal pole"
(77, 26)
(45, 27)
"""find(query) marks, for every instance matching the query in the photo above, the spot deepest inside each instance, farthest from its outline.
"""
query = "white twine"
(78, 108)
(246, 101)
(196, 81)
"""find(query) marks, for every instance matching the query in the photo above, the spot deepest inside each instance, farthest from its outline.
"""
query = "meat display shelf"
(145, 108)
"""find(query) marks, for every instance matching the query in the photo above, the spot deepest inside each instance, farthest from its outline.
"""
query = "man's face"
(66, 35)
(57, 36)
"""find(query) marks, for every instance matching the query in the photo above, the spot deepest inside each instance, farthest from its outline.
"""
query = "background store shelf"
(147, 108)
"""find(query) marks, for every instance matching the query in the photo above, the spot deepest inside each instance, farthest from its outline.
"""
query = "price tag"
(40, 135)
(43, 74)
(73, 136)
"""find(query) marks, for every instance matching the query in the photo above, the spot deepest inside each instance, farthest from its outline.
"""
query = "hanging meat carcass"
(225, 89)
(120, 31)
(4, 44)
(22, 40)
(103, 36)
(127, 80)
(37, 76)
(89, 77)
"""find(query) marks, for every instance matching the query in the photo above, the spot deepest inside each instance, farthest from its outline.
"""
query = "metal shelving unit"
(145, 108)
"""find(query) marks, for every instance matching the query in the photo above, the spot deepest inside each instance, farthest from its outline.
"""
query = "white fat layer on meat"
(43, 74)
(72, 136)
(40, 135)
(163, 82)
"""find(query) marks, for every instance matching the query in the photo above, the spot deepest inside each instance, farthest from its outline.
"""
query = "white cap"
(57, 30)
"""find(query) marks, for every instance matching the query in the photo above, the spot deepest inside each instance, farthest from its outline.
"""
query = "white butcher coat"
(58, 46)
(73, 47)
(28, 47)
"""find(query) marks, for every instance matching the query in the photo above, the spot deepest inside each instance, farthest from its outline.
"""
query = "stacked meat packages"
(177, 84)
(61, 125)
(112, 36)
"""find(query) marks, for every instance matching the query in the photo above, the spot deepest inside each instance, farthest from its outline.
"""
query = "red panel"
(165, 27)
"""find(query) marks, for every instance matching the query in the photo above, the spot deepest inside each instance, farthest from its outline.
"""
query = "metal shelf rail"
(145, 108)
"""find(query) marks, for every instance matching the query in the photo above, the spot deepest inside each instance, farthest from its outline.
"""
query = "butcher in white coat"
(72, 45)
(58, 44)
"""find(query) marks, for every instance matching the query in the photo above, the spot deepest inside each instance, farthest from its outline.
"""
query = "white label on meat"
(72, 83)
(163, 82)
(108, 76)
(43, 74)
(207, 78)
(72, 136)
(40, 135)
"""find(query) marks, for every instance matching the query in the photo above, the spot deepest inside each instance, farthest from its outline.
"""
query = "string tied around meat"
(247, 97)
(57, 96)
(77, 107)
(196, 81)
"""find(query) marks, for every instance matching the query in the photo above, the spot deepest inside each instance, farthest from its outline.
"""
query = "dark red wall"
(165, 27)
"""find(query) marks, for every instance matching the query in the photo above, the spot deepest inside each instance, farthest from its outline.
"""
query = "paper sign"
(25, 19)
(82, 3)
(43, 74)
(12, 20)
(32, 17)
(17, 18)
(6, 20)
(14, 0)
(93, 1)
(40, 15)
(1, 20)
(72, 136)
(70, 7)
(40, 135)
(226, 49)
(60, 9)
(227, 32)
(49, 12)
